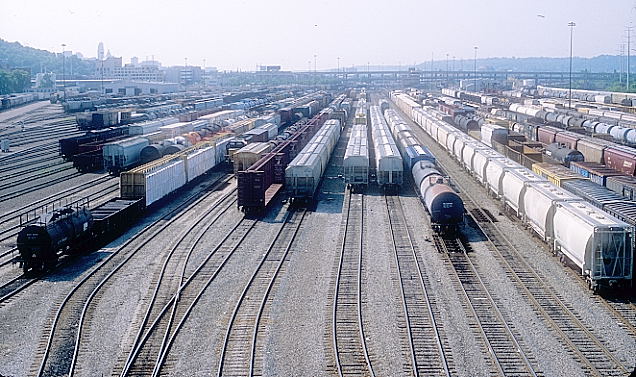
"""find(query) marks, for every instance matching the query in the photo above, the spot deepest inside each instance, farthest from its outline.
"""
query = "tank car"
(443, 204)
(60, 231)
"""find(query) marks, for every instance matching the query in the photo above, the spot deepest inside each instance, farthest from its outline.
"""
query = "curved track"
(64, 335)
(239, 352)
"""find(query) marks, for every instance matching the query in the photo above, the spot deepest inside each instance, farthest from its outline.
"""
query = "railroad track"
(40, 173)
(38, 186)
(241, 346)
(349, 342)
(429, 349)
(588, 348)
(26, 167)
(149, 356)
(504, 349)
(29, 153)
(56, 354)
(15, 286)
(171, 276)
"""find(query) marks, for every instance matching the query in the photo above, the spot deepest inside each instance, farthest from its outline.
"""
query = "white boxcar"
(388, 161)
(303, 173)
(513, 185)
(356, 158)
(495, 172)
(123, 154)
(198, 161)
(481, 159)
(493, 132)
(599, 244)
(539, 201)
(165, 180)
(150, 126)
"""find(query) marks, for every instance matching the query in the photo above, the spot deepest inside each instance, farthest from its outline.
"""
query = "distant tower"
(108, 55)
(100, 51)
(134, 61)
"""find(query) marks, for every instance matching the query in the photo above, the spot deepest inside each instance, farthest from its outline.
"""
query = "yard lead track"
(507, 354)
(148, 357)
(171, 276)
(238, 355)
(349, 343)
(56, 356)
(430, 352)
(15, 286)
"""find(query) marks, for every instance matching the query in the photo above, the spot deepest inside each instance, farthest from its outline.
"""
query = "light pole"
(571, 24)
(315, 73)
(475, 67)
(64, 72)
(447, 69)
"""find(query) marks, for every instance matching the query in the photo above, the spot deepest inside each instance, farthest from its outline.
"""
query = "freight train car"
(355, 165)
(388, 161)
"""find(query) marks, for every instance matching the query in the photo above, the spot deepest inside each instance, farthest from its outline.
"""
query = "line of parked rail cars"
(76, 229)
(624, 99)
(259, 183)
(471, 97)
(598, 244)
(303, 173)
(594, 149)
(18, 99)
(389, 168)
(442, 203)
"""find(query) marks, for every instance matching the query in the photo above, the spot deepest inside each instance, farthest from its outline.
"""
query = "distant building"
(183, 75)
(106, 67)
(138, 73)
(269, 68)
(134, 61)
(100, 51)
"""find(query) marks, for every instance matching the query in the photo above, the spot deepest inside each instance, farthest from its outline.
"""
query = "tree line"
(14, 81)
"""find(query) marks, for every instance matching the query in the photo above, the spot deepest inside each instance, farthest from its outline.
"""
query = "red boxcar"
(547, 134)
(621, 159)
(569, 139)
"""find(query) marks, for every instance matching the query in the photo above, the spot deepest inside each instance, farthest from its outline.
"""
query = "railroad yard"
(353, 240)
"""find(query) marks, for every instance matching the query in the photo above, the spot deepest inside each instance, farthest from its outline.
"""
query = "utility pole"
(475, 67)
(571, 24)
(64, 72)
(446, 69)
(102, 81)
(629, 52)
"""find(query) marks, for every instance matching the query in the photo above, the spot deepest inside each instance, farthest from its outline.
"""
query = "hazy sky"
(235, 34)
